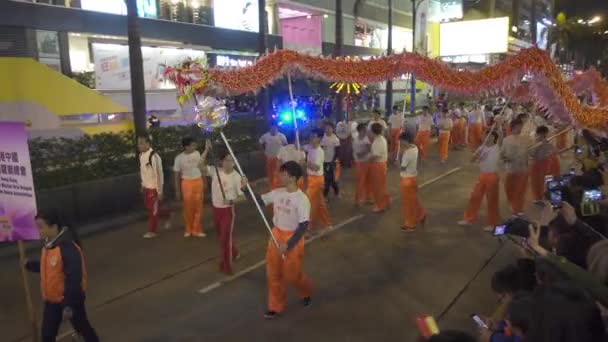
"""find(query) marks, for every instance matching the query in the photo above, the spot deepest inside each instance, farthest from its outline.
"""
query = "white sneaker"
(199, 235)
(150, 235)
(464, 223)
(187, 235)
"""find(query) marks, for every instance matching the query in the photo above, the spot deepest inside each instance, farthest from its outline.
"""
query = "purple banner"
(17, 196)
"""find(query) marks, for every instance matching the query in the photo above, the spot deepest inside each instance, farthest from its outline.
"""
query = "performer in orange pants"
(514, 153)
(543, 163)
(445, 126)
(487, 183)
(189, 186)
(423, 137)
(361, 152)
(561, 141)
(475, 134)
(316, 181)
(378, 169)
(555, 166)
(285, 251)
(271, 142)
(413, 212)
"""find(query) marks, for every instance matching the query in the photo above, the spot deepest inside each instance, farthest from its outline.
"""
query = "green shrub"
(61, 161)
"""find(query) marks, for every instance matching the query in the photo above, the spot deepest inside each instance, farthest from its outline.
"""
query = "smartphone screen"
(592, 195)
(479, 321)
(555, 197)
(500, 230)
(552, 185)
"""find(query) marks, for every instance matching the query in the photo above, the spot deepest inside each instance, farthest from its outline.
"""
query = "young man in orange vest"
(284, 261)
(63, 279)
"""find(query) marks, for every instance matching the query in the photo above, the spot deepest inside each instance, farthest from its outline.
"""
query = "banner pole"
(28, 294)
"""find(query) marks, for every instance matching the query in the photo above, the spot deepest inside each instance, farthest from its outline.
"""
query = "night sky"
(583, 8)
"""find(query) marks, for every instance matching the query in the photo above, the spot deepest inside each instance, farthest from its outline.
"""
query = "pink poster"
(17, 196)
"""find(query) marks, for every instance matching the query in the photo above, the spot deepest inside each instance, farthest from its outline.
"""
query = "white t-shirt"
(380, 149)
(489, 159)
(515, 149)
(380, 121)
(315, 156)
(361, 146)
(272, 143)
(289, 208)
(329, 144)
(231, 184)
(409, 162)
(425, 122)
(476, 116)
(396, 120)
(188, 165)
(290, 153)
(151, 175)
(445, 124)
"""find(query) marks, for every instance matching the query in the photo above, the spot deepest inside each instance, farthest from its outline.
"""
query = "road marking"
(340, 225)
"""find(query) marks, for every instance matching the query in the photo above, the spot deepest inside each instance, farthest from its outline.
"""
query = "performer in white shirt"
(225, 192)
(291, 219)
(378, 168)
(189, 186)
(290, 152)
(396, 122)
(514, 153)
(316, 181)
(459, 128)
(423, 136)
(361, 153)
(152, 181)
(476, 123)
(271, 142)
(412, 210)
(377, 118)
(331, 145)
(488, 182)
(444, 124)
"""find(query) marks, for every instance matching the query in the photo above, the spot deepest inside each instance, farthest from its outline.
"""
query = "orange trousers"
(487, 185)
(363, 187)
(458, 133)
(422, 140)
(516, 185)
(538, 171)
(282, 272)
(318, 207)
(192, 199)
(413, 212)
(555, 167)
(394, 145)
(377, 174)
(475, 135)
(443, 142)
(272, 165)
(338, 171)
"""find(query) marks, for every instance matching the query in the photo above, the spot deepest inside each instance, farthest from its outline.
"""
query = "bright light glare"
(474, 37)
(595, 19)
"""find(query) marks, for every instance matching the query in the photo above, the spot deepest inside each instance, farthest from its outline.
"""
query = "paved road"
(371, 279)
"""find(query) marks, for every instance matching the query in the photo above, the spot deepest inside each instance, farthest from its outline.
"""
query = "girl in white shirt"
(488, 182)
(188, 178)
(225, 191)
(361, 153)
(412, 210)
(152, 179)
(378, 168)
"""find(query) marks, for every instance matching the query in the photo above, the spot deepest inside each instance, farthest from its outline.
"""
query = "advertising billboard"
(474, 37)
(112, 65)
(145, 8)
(236, 15)
(443, 10)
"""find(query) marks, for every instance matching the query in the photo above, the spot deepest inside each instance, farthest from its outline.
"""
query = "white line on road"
(342, 224)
